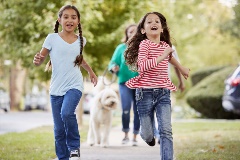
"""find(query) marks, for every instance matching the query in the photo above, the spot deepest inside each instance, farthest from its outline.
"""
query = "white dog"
(101, 112)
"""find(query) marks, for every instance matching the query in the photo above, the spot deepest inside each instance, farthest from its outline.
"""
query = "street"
(23, 121)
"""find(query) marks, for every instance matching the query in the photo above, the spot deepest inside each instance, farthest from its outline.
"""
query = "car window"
(238, 75)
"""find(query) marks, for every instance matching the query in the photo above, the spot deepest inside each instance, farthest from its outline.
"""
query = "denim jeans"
(66, 132)
(127, 96)
(155, 130)
(148, 101)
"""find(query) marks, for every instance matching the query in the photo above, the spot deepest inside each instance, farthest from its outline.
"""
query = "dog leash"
(113, 79)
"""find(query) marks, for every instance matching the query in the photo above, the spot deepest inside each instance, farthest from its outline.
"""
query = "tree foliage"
(196, 27)
(103, 25)
(24, 26)
(232, 25)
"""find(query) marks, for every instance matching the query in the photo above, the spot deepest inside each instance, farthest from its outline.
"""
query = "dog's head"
(108, 99)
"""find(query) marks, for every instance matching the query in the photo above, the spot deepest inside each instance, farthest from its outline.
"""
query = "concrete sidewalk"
(117, 151)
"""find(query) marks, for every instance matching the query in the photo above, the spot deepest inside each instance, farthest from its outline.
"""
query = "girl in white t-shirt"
(65, 51)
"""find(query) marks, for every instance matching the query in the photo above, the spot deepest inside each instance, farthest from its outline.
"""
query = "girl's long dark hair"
(131, 53)
(79, 58)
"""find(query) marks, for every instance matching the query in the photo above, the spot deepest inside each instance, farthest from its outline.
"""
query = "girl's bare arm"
(92, 75)
(40, 56)
(183, 70)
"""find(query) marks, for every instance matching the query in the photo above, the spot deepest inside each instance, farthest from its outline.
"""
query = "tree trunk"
(17, 79)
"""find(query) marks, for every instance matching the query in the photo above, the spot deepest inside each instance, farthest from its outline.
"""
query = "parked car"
(231, 97)
(36, 101)
(4, 100)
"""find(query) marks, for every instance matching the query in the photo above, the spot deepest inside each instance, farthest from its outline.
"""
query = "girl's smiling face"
(152, 26)
(69, 20)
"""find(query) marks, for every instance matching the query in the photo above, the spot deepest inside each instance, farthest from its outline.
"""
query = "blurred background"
(206, 34)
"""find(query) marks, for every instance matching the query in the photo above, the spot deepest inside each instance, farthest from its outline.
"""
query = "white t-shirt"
(175, 55)
(62, 54)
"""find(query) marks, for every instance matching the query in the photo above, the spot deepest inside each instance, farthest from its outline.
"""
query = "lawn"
(201, 140)
(207, 140)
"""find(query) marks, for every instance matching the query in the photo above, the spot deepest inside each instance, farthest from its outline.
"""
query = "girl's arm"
(92, 75)
(184, 71)
(181, 85)
(116, 59)
(166, 53)
(144, 63)
(40, 56)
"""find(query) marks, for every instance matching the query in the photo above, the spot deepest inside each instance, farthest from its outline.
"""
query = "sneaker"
(75, 155)
(152, 143)
(125, 140)
(134, 143)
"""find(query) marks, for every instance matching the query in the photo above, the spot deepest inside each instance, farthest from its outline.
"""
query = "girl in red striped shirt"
(149, 52)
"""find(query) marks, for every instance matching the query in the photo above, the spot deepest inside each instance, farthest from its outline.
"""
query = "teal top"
(124, 74)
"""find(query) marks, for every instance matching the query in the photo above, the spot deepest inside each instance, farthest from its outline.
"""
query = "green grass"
(36, 144)
(207, 140)
(25, 145)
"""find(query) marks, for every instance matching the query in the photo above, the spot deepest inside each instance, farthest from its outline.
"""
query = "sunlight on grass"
(207, 140)
(33, 144)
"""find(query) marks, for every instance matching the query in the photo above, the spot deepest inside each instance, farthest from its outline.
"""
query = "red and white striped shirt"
(151, 74)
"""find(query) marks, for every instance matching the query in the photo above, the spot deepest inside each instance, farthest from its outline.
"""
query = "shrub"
(206, 96)
(201, 74)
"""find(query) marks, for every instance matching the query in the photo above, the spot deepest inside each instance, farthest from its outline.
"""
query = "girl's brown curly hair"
(131, 53)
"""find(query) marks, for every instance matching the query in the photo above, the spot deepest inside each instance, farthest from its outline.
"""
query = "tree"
(103, 24)
(21, 31)
(232, 26)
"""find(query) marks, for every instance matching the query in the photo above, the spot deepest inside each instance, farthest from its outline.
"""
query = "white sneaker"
(75, 158)
(125, 140)
(134, 143)
(75, 155)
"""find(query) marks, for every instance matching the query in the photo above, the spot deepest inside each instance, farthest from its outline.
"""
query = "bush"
(201, 74)
(206, 96)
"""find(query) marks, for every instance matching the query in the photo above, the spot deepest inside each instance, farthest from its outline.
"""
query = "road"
(23, 121)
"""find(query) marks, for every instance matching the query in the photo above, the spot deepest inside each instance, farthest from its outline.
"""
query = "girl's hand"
(165, 54)
(115, 69)
(185, 72)
(93, 78)
(181, 86)
(38, 59)
(167, 51)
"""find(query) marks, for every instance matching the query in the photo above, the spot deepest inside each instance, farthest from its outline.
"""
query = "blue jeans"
(66, 132)
(155, 130)
(148, 101)
(127, 96)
